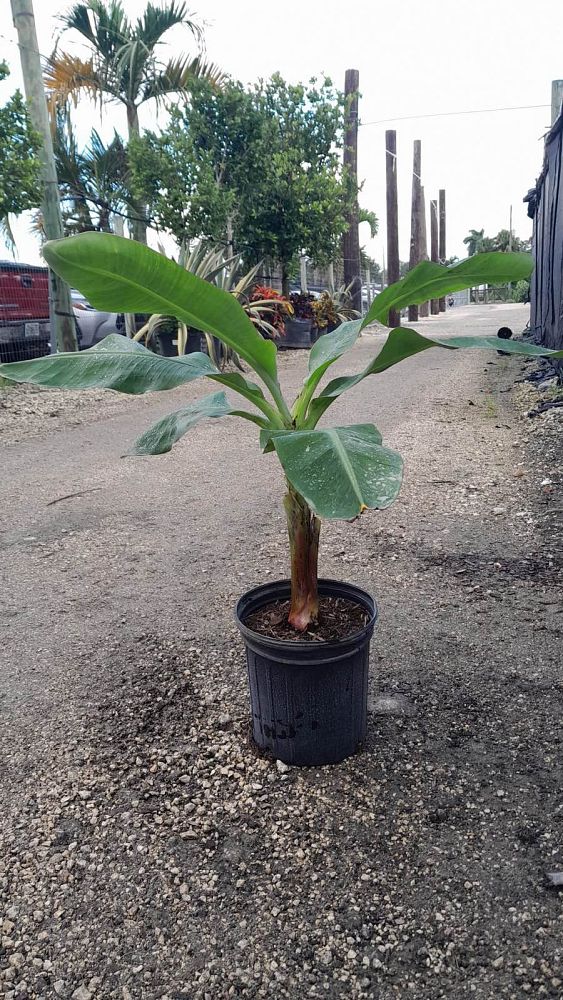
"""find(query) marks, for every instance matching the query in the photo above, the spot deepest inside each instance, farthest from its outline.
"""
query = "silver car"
(92, 325)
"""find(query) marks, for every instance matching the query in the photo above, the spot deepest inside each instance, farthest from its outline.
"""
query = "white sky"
(414, 59)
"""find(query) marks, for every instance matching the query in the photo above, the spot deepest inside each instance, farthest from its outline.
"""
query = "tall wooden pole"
(414, 256)
(62, 322)
(442, 237)
(434, 304)
(393, 267)
(351, 238)
(424, 307)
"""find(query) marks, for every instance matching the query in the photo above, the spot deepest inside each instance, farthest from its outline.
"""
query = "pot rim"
(326, 587)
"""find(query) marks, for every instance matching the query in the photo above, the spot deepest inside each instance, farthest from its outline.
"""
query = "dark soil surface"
(338, 619)
(146, 850)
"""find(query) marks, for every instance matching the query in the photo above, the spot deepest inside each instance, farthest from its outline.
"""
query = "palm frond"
(6, 233)
(104, 25)
(131, 66)
(178, 76)
(156, 21)
(371, 218)
(66, 77)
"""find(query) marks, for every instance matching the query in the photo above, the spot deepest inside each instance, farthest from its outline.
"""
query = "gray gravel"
(148, 850)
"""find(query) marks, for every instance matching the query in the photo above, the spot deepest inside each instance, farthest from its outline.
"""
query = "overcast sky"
(414, 59)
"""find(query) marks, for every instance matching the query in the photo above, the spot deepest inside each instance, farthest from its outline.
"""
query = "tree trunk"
(138, 226)
(61, 315)
(104, 219)
(304, 529)
(285, 280)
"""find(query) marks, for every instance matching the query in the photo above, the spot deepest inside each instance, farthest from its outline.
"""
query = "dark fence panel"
(546, 297)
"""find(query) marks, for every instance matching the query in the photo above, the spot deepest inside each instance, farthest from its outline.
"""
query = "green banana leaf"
(124, 276)
(116, 363)
(431, 281)
(403, 343)
(426, 280)
(340, 471)
(160, 438)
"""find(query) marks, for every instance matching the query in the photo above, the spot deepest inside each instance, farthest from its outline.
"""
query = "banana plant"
(331, 472)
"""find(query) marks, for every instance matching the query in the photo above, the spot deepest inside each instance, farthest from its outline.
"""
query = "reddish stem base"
(304, 529)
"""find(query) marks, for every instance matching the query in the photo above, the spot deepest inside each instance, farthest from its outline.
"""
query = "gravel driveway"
(146, 849)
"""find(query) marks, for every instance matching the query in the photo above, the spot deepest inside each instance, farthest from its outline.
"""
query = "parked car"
(24, 311)
(93, 325)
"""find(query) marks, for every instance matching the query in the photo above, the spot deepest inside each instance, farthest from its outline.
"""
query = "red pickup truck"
(24, 311)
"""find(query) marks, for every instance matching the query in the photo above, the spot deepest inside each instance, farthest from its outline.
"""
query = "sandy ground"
(147, 850)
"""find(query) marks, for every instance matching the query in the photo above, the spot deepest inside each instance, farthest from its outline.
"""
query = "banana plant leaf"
(429, 280)
(116, 363)
(403, 343)
(160, 438)
(340, 471)
(124, 276)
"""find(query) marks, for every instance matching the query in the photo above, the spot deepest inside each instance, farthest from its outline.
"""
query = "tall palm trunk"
(138, 225)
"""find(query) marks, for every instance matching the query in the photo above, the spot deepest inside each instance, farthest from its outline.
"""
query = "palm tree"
(474, 242)
(93, 182)
(123, 66)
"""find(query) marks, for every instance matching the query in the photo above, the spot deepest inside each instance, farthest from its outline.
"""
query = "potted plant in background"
(307, 639)
(299, 329)
(169, 336)
(277, 307)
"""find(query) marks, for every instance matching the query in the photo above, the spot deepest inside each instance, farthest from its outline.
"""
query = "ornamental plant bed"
(308, 698)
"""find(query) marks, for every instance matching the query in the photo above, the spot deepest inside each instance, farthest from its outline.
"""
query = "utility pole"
(61, 315)
(510, 232)
(442, 238)
(424, 307)
(556, 99)
(414, 256)
(434, 304)
(351, 238)
(393, 267)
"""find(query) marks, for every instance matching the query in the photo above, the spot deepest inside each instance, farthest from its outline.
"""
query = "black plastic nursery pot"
(297, 335)
(308, 700)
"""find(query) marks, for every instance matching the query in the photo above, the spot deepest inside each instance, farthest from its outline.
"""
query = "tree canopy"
(477, 242)
(20, 167)
(259, 168)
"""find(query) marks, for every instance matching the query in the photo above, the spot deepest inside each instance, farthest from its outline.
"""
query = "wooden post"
(442, 238)
(424, 307)
(61, 315)
(434, 304)
(414, 255)
(303, 273)
(351, 238)
(556, 99)
(393, 269)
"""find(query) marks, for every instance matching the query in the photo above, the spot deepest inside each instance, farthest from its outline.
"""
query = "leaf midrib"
(343, 456)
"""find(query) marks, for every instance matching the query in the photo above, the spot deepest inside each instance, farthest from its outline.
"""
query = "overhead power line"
(450, 114)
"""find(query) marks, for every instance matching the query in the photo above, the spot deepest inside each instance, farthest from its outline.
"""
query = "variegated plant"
(331, 472)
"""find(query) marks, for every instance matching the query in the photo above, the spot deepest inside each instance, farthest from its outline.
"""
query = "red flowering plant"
(266, 300)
